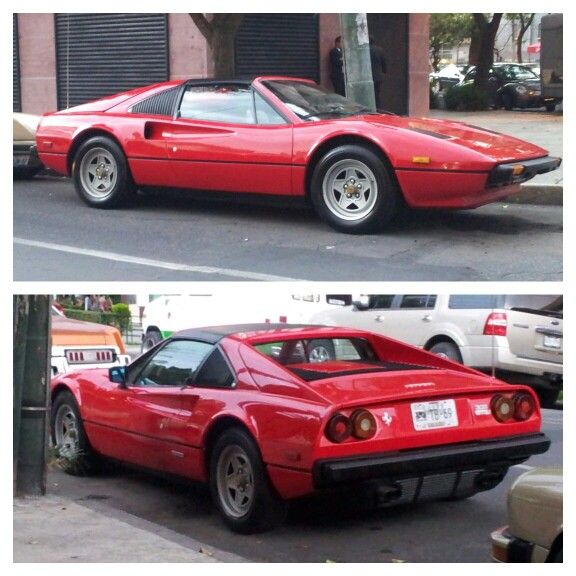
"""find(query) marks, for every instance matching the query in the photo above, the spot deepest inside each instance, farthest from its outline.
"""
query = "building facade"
(62, 60)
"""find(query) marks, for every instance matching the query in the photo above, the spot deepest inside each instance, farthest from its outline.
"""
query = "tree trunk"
(524, 25)
(487, 32)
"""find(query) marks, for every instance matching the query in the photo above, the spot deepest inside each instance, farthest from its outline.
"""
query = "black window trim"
(217, 346)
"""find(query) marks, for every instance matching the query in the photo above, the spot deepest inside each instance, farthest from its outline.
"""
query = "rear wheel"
(352, 190)
(101, 175)
(447, 350)
(240, 486)
(550, 107)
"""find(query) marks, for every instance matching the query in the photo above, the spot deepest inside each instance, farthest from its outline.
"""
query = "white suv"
(517, 337)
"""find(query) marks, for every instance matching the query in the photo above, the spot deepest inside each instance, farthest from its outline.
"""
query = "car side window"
(174, 364)
(380, 301)
(229, 103)
(214, 372)
(265, 114)
(418, 301)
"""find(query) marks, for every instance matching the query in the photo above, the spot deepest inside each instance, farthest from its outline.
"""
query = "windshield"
(514, 72)
(311, 102)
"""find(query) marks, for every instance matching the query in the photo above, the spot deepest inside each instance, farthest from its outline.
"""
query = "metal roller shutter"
(284, 44)
(16, 97)
(102, 54)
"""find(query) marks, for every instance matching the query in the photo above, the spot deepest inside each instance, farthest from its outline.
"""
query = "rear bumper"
(25, 156)
(482, 456)
(518, 172)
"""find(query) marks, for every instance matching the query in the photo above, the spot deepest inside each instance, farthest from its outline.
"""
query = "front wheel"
(101, 175)
(240, 486)
(353, 191)
(73, 451)
(508, 101)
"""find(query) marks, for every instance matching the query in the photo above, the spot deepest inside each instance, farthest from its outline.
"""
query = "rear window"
(320, 358)
(549, 305)
(473, 301)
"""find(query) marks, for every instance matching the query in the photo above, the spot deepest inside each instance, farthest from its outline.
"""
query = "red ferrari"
(281, 136)
(267, 413)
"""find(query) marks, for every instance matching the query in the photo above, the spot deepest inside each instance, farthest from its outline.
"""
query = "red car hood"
(500, 147)
(374, 388)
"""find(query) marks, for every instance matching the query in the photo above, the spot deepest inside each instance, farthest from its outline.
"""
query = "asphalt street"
(320, 530)
(177, 236)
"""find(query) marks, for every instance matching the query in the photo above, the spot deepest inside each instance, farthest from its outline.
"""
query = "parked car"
(79, 345)
(518, 337)
(257, 413)
(26, 163)
(535, 515)
(281, 137)
(448, 76)
(513, 86)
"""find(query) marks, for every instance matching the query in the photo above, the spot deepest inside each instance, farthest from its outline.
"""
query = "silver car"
(518, 338)
(535, 515)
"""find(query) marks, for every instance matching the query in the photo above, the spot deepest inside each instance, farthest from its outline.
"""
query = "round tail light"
(523, 406)
(338, 428)
(502, 407)
(363, 424)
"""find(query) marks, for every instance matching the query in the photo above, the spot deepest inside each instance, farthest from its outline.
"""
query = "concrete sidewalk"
(542, 128)
(53, 529)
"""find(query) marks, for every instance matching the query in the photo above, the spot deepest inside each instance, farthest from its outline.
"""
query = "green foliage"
(465, 97)
(121, 313)
(448, 30)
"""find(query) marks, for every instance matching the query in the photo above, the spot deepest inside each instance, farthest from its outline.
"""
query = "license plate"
(436, 414)
(21, 160)
(552, 341)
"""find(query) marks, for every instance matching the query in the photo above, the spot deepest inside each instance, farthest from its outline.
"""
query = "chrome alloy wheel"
(319, 354)
(98, 172)
(350, 189)
(66, 431)
(235, 481)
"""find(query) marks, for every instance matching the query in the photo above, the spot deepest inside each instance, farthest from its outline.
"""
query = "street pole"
(31, 378)
(357, 66)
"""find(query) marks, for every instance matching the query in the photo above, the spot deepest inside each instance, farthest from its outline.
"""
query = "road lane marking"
(127, 259)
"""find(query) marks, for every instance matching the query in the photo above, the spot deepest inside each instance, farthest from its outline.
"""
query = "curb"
(538, 194)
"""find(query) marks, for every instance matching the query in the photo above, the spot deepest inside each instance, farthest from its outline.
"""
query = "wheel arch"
(438, 338)
(82, 137)
(216, 428)
(557, 545)
(61, 387)
(341, 140)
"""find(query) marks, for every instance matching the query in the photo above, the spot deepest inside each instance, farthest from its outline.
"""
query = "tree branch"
(203, 25)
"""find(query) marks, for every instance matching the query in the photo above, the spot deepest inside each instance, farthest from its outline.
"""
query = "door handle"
(427, 318)
(379, 318)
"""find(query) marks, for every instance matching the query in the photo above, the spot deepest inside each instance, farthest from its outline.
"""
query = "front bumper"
(456, 470)
(518, 172)
(507, 548)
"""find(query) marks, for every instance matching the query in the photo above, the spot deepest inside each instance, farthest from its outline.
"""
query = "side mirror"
(361, 302)
(117, 374)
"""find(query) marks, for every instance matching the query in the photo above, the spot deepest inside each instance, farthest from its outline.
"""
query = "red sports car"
(267, 413)
(281, 136)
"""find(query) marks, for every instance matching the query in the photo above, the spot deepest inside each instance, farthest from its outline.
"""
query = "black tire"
(73, 451)
(150, 340)
(558, 556)
(447, 350)
(24, 172)
(320, 350)
(547, 397)
(550, 107)
(253, 505)
(508, 101)
(101, 175)
(353, 173)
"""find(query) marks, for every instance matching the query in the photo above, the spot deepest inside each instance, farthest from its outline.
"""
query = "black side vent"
(160, 104)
